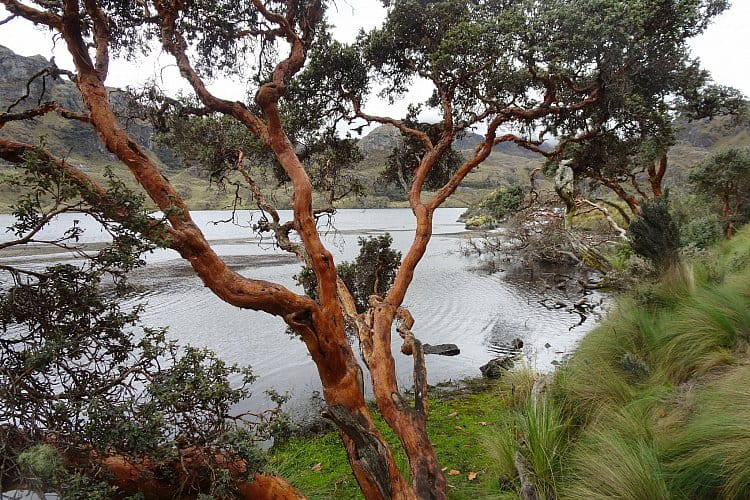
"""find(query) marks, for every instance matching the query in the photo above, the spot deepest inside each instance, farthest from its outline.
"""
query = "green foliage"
(655, 235)
(41, 462)
(212, 29)
(371, 273)
(77, 366)
(528, 40)
(503, 201)
(49, 192)
(333, 69)
(404, 159)
(214, 143)
(725, 175)
(620, 257)
(702, 232)
(494, 207)
(478, 222)
(44, 468)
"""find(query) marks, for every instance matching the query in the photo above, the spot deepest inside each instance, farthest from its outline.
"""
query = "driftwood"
(528, 492)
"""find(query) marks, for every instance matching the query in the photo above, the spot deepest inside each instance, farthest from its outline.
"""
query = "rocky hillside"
(76, 141)
(387, 137)
(68, 138)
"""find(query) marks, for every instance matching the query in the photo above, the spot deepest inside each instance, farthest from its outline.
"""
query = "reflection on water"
(451, 303)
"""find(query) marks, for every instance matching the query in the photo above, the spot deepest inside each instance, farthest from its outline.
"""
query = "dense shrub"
(655, 235)
(371, 273)
(78, 374)
(702, 232)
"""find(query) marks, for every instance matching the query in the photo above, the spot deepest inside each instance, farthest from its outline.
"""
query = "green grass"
(458, 426)
(657, 397)
(708, 457)
(543, 430)
(655, 404)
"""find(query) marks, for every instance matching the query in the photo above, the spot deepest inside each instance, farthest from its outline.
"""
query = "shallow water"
(450, 300)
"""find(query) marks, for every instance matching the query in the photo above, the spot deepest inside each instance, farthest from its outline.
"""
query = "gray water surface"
(450, 301)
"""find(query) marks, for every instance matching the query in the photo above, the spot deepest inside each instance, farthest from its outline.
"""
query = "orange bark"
(190, 475)
(655, 177)
(320, 324)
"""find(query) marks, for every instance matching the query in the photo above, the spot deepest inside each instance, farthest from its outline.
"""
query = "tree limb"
(101, 37)
(41, 110)
(32, 14)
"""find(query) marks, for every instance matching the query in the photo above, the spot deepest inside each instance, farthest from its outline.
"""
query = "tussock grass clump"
(501, 446)
(617, 458)
(655, 404)
(515, 386)
(703, 331)
(733, 255)
(544, 432)
(595, 377)
(708, 457)
(537, 435)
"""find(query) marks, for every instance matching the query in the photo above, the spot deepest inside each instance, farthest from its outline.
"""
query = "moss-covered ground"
(460, 421)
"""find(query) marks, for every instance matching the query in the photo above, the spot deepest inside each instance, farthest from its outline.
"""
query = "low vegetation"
(654, 404)
(460, 420)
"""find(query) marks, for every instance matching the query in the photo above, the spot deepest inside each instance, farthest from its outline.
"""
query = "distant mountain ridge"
(386, 137)
(76, 141)
(68, 138)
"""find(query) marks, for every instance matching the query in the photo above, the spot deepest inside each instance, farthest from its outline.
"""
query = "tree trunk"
(726, 216)
(320, 325)
(655, 177)
(409, 424)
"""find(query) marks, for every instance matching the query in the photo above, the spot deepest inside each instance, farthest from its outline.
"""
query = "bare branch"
(417, 134)
(175, 44)
(32, 14)
(45, 108)
(8, 19)
(42, 73)
(622, 233)
(28, 237)
(412, 346)
(92, 192)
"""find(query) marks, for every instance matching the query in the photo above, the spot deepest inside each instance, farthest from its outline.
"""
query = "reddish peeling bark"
(323, 329)
(320, 324)
(729, 212)
(633, 204)
(655, 177)
(190, 476)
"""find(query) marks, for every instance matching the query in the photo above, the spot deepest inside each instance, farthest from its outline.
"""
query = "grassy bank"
(460, 422)
(656, 401)
(654, 404)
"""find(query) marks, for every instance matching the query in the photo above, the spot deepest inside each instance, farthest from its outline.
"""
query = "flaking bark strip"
(370, 454)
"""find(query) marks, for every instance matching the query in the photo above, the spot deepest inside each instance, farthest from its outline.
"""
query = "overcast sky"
(724, 50)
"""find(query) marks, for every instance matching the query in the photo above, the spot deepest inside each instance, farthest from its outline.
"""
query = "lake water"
(450, 300)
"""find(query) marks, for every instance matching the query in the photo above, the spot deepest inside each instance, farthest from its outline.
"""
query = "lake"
(451, 301)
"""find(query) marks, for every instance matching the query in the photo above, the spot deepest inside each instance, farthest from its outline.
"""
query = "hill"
(78, 143)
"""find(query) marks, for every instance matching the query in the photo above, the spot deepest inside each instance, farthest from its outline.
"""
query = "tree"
(628, 153)
(92, 404)
(655, 234)
(725, 175)
(560, 67)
